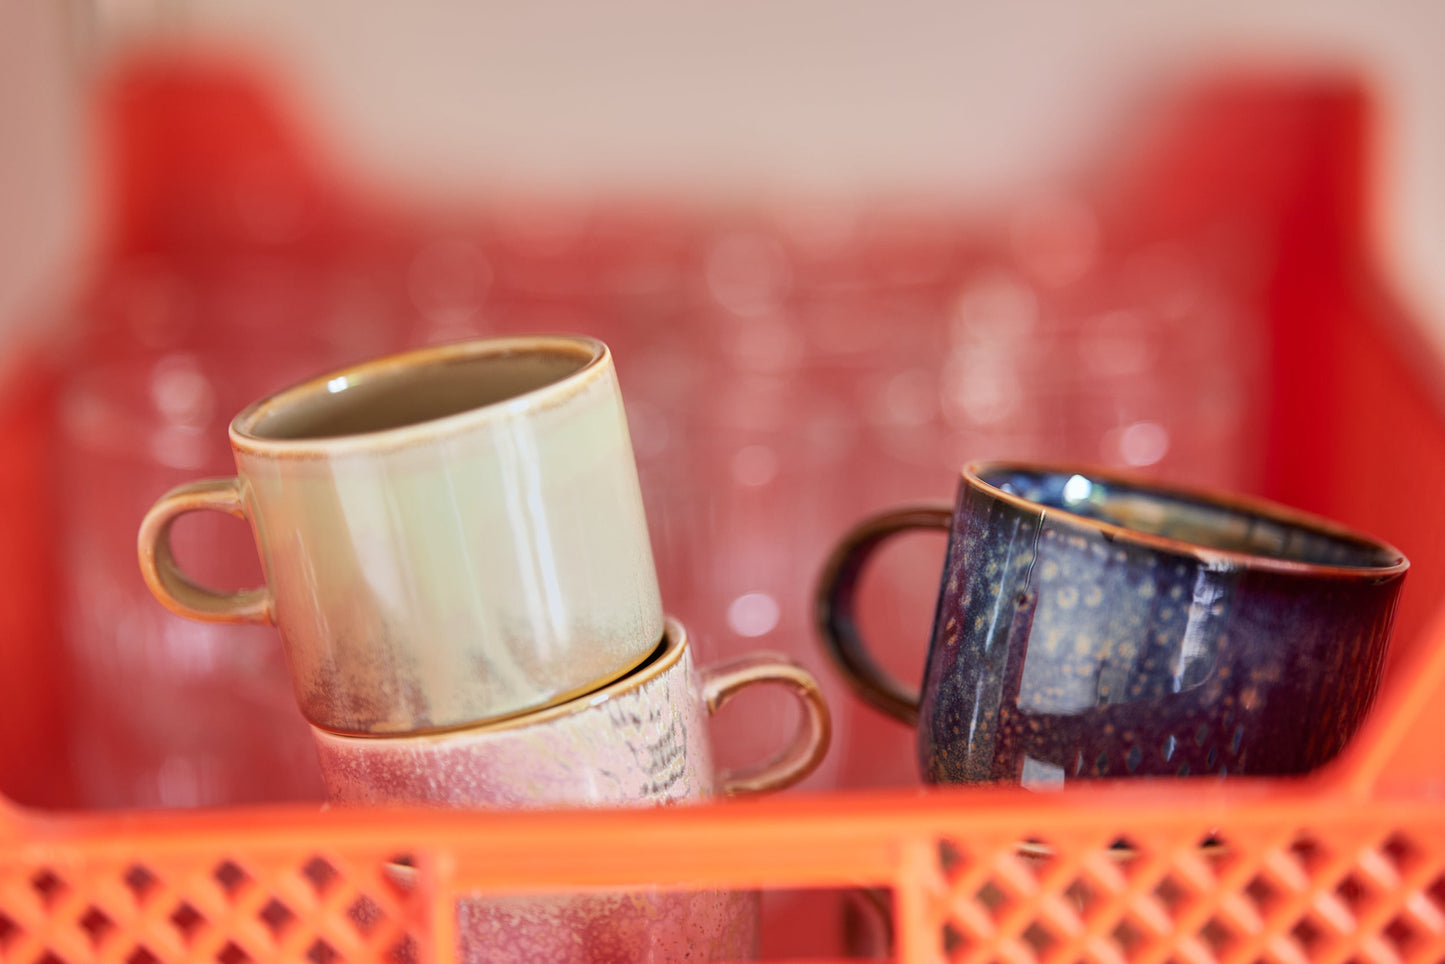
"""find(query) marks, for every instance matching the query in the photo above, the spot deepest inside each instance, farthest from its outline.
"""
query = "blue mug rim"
(975, 475)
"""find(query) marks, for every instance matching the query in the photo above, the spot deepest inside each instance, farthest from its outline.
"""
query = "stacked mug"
(458, 562)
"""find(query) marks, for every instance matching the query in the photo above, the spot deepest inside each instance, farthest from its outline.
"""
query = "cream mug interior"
(449, 535)
(399, 395)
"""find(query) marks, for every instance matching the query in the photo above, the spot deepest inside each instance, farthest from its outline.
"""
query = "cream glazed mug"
(643, 741)
(449, 535)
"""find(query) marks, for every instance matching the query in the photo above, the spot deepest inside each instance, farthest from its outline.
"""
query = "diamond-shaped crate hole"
(232, 877)
(142, 955)
(1310, 853)
(278, 918)
(187, 921)
(321, 952)
(1128, 937)
(365, 914)
(1435, 893)
(10, 932)
(232, 954)
(404, 951)
(96, 925)
(1082, 896)
(1218, 937)
(950, 859)
(1013, 876)
(1106, 873)
(141, 883)
(1403, 936)
(1038, 939)
(1357, 893)
(1172, 895)
(1191, 871)
(320, 874)
(47, 886)
(954, 941)
(1309, 937)
(992, 899)
(1263, 893)
(1402, 851)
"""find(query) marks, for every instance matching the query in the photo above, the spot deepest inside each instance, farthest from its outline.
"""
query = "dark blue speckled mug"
(1091, 625)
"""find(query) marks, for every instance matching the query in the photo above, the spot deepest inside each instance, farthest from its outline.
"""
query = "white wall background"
(823, 96)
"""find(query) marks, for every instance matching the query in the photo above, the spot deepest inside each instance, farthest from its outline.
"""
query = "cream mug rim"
(593, 354)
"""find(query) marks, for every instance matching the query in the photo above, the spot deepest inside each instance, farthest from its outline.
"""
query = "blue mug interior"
(1190, 519)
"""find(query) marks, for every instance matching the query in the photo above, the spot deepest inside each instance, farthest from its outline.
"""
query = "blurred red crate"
(1348, 864)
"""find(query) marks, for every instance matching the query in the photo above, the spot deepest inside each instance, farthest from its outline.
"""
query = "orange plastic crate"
(1347, 865)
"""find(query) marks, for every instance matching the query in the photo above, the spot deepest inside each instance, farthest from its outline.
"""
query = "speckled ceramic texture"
(627, 746)
(449, 536)
(640, 742)
(1092, 626)
(707, 925)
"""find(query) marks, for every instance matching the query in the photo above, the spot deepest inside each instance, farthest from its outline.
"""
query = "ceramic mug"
(449, 535)
(643, 741)
(1094, 625)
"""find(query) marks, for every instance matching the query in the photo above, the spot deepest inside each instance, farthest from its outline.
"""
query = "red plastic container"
(1346, 865)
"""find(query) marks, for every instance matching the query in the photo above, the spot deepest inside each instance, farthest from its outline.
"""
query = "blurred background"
(812, 97)
(838, 248)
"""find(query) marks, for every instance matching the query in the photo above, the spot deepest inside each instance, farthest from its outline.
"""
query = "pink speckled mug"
(641, 741)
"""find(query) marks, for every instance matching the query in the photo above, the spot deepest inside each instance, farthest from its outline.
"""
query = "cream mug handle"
(176, 591)
(809, 744)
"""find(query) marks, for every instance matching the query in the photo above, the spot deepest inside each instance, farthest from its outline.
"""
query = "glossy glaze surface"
(471, 545)
(1090, 626)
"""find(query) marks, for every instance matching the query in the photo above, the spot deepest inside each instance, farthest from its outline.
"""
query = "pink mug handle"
(809, 744)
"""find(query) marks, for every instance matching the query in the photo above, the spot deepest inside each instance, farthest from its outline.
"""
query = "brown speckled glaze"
(1091, 625)
(642, 741)
(450, 536)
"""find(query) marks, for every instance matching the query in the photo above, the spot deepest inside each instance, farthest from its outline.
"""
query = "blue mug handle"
(836, 597)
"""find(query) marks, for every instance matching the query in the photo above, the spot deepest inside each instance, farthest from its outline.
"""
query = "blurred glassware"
(167, 712)
(783, 374)
(779, 378)
(786, 370)
(170, 712)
